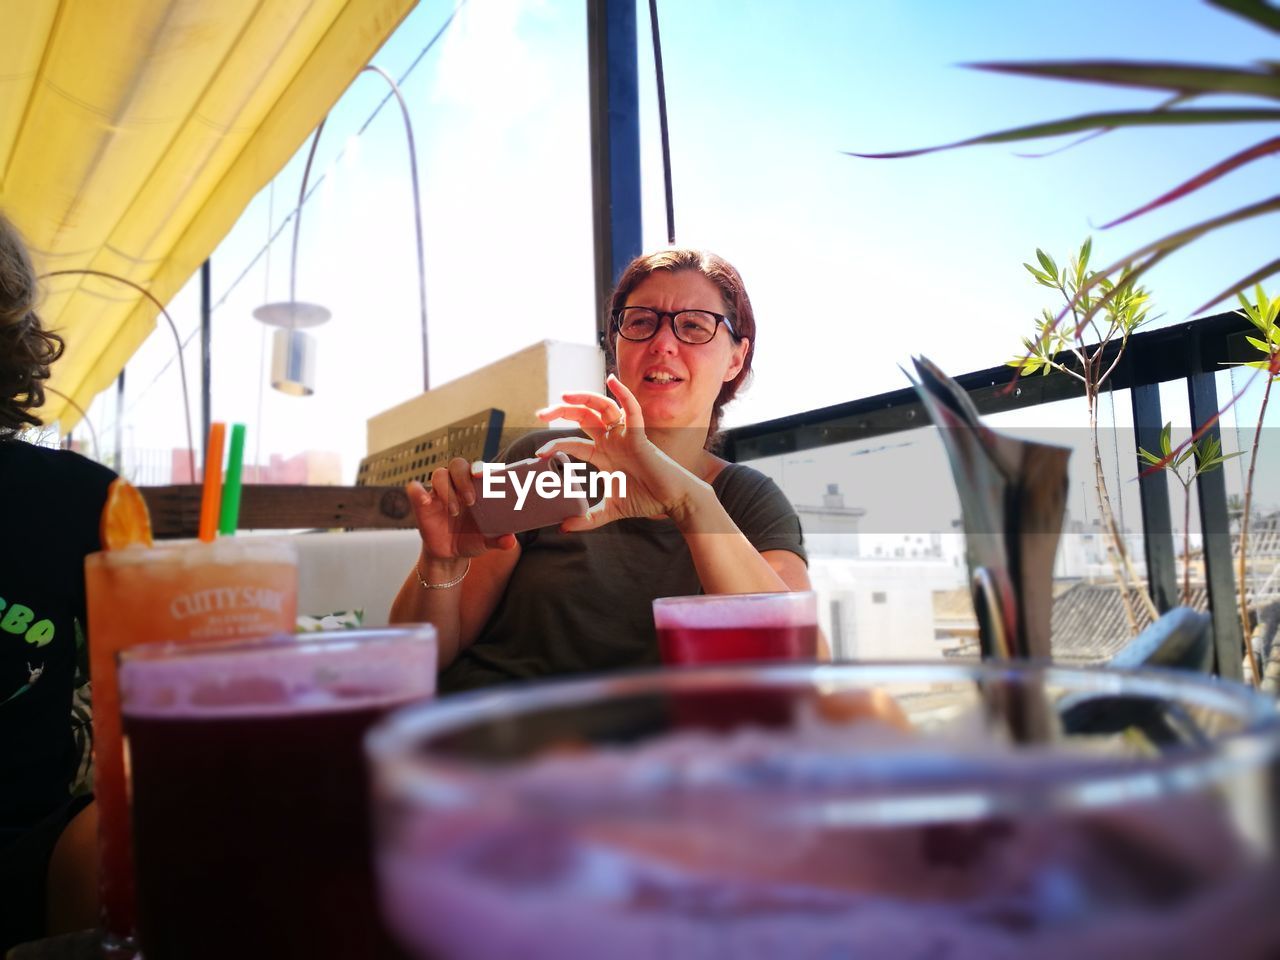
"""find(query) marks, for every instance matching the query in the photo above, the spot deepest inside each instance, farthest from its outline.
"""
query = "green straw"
(230, 516)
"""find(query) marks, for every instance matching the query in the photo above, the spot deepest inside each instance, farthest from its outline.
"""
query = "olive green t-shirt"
(581, 602)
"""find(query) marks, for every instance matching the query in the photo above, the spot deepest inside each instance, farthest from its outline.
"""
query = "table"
(85, 945)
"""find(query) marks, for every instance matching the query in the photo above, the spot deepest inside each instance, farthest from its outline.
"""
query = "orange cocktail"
(178, 591)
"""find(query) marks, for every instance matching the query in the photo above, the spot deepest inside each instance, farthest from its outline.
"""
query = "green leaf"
(1158, 250)
(1204, 177)
(1085, 249)
(1179, 78)
(1260, 274)
(1214, 463)
(1262, 347)
(1165, 434)
(1046, 261)
(1150, 457)
(1093, 121)
(1258, 12)
(1264, 312)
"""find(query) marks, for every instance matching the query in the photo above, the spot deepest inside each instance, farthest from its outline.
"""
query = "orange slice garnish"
(125, 520)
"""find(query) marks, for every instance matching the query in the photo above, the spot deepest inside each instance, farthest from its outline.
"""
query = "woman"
(577, 598)
(52, 500)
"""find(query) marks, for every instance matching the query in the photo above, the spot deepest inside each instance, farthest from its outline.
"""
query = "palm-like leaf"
(1256, 276)
(1184, 82)
(1158, 250)
(1094, 121)
(1180, 78)
(1257, 11)
(1263, 149)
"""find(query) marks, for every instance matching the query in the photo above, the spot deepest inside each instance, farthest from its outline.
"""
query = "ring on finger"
(613, 425)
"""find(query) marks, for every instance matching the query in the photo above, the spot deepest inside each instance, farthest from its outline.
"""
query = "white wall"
(353, 570)
(902, 626)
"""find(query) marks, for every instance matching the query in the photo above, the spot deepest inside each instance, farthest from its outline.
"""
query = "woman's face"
(676, 382)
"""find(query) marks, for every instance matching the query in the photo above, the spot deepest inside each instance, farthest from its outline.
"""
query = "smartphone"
(526, 494)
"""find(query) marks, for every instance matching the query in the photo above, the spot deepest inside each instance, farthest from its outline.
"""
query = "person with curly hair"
(50, 502)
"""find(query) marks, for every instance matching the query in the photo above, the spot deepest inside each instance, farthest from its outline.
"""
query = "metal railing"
(1193, 351)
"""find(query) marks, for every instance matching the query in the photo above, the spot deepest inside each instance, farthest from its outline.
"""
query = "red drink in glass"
(720, 628)
(690, 645)
(250, 793)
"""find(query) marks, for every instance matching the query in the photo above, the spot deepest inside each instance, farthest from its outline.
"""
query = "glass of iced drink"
(891, 817)
(250, 792)
(716, 628)
(178, 591)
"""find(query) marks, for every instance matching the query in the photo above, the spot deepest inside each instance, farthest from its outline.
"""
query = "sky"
(853, 265)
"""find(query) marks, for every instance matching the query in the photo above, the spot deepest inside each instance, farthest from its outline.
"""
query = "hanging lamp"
(293, 350)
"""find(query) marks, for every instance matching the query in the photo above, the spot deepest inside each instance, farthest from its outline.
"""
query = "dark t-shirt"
(581, 602)
(51, 502)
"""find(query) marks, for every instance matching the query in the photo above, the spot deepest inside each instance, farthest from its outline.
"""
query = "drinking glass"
(175, 591)
(891, 816)
(715, 628)
(250, 793)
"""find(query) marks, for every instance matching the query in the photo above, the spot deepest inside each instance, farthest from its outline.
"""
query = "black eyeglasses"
(638, 324)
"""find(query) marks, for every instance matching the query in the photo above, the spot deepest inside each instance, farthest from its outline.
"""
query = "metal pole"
(615, 143)
(417, 219)
(662, 122)
(178, 345)
(119, 464)
(206, 386)
(1215, 528)
(1153, 492)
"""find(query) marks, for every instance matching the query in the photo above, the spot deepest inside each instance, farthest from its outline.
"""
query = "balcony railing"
(1192, 352)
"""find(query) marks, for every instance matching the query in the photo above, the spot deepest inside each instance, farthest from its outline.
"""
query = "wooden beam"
(175, 510)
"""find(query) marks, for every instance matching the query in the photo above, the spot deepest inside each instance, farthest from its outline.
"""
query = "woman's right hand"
(446, 528)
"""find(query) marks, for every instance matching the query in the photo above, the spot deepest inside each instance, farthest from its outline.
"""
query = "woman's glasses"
(638, 324)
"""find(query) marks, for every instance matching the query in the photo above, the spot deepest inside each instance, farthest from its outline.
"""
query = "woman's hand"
(447, 530)
(656, 484)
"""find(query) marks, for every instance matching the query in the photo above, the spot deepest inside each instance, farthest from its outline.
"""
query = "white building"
(881, 609)
(875, 590)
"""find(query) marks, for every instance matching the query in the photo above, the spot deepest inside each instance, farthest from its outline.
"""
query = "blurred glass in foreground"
(884, 814)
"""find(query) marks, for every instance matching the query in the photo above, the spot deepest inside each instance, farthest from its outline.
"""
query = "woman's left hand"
(656, 484)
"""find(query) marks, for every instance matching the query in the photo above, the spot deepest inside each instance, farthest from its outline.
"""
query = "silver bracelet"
(448, 583)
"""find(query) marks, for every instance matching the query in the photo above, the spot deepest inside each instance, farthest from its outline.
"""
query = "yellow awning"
(133, 133)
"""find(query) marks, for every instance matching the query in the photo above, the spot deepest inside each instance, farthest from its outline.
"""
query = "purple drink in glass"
(250, 791)
(584, 819)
